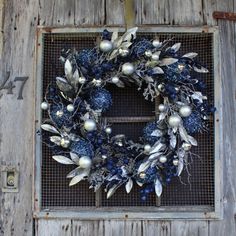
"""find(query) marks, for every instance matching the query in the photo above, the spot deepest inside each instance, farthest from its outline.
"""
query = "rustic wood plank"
(189, 228)
(1, 25)
(87, 228)
(56, 12)
(54, 228)
(185, 12)
(209, 6)
(153, 228)
(17, 116)
(115, 12)
(114, 228)
(228, 60)
(90, 12)
(155, 12)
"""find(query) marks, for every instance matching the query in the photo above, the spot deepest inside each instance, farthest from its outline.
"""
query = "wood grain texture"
(90, 12)
(54, 228)
(189, 228)
(87, 228)
(115, 12)
(153, 228)
(17, 116)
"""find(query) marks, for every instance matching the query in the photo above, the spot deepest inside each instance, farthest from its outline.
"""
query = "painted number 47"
(10, 85)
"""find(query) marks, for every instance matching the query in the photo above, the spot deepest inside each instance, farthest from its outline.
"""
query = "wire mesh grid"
(194, 189)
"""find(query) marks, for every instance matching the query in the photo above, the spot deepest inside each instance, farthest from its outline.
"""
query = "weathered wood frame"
(92, 213)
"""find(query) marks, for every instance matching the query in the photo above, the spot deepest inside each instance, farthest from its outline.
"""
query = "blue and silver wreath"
(79, 136)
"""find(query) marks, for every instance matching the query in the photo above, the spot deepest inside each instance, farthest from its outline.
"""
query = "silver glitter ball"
(181, 67)
(161, 87)
(106, 46)
(44, 105)
(82, 80)
(124, 52)
(174, 121)
(142, 175)
(163, 159)
(97, 82)
(148, 53)
(115, 80)
(59, 113)
(108, 130)
(185, 111)
(156, 43)
(128, 68)
(85, 162)
(147, 148)
(155, 56)
(65, 143)
(104, 157)
(161, 107)
(186, 146)
(89, 125)
(175, 162)
(70, 108)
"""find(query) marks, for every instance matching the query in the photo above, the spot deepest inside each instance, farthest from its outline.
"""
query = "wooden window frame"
(92, 213)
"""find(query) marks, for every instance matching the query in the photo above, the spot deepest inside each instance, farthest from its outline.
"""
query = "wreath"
(78, 135)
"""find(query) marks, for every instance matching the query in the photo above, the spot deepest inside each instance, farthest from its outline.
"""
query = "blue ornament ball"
(100, 98)
(148, 129)
(82, 148)
(193, 123)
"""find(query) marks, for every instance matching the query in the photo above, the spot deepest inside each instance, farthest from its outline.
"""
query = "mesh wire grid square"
(196, 189)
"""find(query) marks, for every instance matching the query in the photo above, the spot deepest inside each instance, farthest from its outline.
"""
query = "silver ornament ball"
(65, 143)
(106, 46)
(163, 159)
(128, 68)
(185, 111)
(186, 146)
(160, 87)
(124, 52)
(108, 130)
(85, 162)
(175, 162)
(155, 56)
(89, 125)
(181, 67)
(115, 80)
(142, 175)
(44, 105)
(81, 80)
(147, 148)
(174, 121)
(161, 107)
(70, 108)
(104, 157)
(97, 82)
(148, 53)
(156, 43)
(59, 113)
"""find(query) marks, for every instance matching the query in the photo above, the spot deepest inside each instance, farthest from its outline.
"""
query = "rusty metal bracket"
(224, 15)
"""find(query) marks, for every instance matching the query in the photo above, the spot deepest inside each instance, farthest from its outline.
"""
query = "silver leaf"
(157, 70)
(129, 185)
(168, 61)
(180, 166)
(68, 69)
(192, 140)
(129, 33)
(74, 157)
(114, 35)
(173, 140)
(120, 84)
(49, 128)
(183, 134)
(157, 147)
(113, 54)
(125, 45)
(162, 115)
(144, 166)
(56, 140)
(176, 47)
(139, 183)
(201, 70)
(73, 173)
(156, 133)
(198, 96)
(112, 190)
(190, 55)
(79, 177)
(158, 187)
(63, 160)
(148, 79)
(63, 84)
(154, 156)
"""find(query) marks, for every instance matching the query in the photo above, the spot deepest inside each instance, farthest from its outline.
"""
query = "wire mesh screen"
(196, 188)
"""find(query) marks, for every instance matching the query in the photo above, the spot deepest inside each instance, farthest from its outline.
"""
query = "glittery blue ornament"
(82, 148)
(60, 116)
(86, 58)
(148, 176)
(140, 47)
(148, 129)
(106, 35)
(193, 123)
(100, 99)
